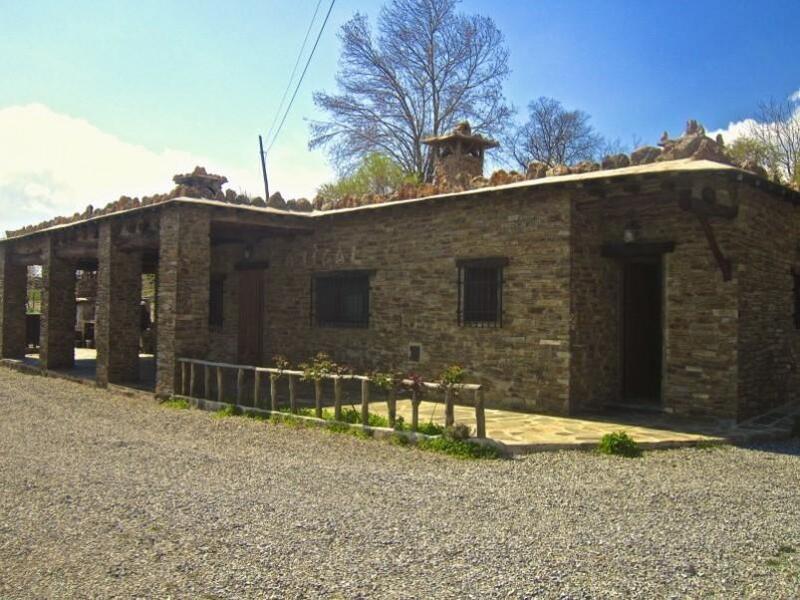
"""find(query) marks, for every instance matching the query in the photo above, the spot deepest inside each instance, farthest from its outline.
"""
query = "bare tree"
(427, 68)
(554, 135)
(777, 128)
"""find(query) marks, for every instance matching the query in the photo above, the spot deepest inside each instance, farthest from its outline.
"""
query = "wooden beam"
(725, 265)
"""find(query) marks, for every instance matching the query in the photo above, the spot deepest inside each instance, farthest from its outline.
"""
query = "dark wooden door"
(641, 332)
(251, 316)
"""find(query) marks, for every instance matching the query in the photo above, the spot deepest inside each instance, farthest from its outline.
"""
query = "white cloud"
(53, 164)
(734, 130)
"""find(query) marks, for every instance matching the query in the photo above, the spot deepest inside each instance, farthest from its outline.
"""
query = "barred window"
(216, 296)
(480, 291)
(341, 299)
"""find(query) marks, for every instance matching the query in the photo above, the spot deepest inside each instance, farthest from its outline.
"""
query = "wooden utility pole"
(263, 167)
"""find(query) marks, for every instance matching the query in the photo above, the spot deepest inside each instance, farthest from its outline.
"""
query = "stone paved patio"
(526, 432)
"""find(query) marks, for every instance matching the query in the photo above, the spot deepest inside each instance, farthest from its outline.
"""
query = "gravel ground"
(106, 496)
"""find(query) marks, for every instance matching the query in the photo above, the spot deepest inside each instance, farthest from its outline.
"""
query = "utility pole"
(263, 167)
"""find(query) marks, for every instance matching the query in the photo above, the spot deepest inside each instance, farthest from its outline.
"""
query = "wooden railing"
(190, 368)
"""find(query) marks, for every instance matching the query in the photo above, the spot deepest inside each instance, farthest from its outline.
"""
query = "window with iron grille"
(216, 296)
(480, 291)
(341, 299)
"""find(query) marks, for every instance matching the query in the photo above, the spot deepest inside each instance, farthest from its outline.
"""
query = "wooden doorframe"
(258, 272)
(657, 260)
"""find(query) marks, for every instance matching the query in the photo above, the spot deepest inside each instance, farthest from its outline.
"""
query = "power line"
(302, 76)
(294, 69)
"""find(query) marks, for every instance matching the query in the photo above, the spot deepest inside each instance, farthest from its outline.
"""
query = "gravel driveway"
(106, 496)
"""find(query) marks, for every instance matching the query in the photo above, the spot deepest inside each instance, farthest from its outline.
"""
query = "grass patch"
(256, 416)
(176, 403)
(784, 560)
(227, 411)
(460, 448)
(619, 443)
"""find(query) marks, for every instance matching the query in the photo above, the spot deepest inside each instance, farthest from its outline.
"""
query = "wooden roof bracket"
(703, 208)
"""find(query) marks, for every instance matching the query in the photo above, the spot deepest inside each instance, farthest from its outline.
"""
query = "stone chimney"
(458, 155)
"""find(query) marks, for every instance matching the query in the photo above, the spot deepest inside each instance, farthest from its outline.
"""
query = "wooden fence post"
(239, 386)
(191, 380)
(184, 375)
(392, 406)
(273, 391)
(414, 410)
(292, 396)
(480, 415)
(207, 382)
(449, 410)
(256, 389)
(318, 398)
(220, 386)
(365, 402)
(337, 399)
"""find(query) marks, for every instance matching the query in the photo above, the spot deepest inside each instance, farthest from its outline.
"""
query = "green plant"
(619, 443)
(430, 428)
(229, 410)
(452, 376)
(385, 381)
(398, 439)
(457, 432)
(320, 366)
(177, 403)
(281, 364)
(459, 448)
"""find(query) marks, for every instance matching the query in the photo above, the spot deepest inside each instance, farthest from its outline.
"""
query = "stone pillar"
(58, 310)
(118, 314)
(183, 286)
(13, 294)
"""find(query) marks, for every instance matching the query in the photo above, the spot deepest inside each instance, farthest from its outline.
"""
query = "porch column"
(183, 286)
(118, 318)
(13, 294)
(58, 310)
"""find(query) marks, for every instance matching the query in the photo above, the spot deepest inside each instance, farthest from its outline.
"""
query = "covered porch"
(169, 245)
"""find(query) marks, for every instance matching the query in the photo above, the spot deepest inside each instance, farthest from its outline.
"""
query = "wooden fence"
(192, 367)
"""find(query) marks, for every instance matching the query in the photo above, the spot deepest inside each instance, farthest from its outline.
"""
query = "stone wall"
(414, 294)
(183, 285)
(13, 295)
(769, 344)
(118, 313)
(58, 309)
(700, 309)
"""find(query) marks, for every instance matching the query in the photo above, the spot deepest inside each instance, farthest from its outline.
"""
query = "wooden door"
(251, 316)
(642, 332)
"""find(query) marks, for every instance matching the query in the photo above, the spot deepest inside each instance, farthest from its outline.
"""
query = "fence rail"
(190, 369)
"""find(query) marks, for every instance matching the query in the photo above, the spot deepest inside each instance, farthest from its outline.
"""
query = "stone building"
(670, 284)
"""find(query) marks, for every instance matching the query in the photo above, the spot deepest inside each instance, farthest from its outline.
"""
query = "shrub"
(430, 428)
(452, 375)
(460, 449)
(619, 443)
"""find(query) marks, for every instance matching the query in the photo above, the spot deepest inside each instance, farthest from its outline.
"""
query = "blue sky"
(102, 99)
